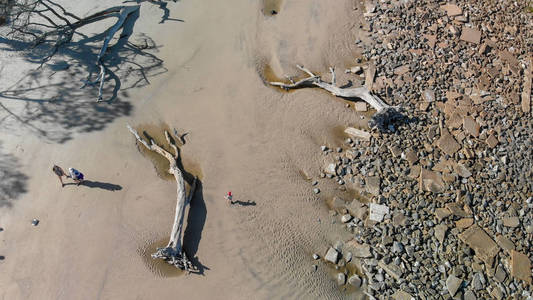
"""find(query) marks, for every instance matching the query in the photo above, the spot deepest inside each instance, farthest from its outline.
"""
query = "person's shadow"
(97, 184)
(244, 203)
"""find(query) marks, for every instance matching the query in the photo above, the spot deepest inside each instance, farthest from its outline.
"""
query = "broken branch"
(385, 114)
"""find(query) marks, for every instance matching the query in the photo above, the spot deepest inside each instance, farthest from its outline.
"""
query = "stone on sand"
(357, 133)
(332, 255)
(355, 281)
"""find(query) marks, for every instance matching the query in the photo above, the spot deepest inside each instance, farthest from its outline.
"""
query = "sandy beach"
(94, 241)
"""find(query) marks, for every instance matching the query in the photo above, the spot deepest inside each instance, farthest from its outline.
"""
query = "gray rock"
(453, 284)
(469, 295)
(316, 190)
(341, 279)
(332, 255)
(440, 232)
(355, 280)
(35, 222)
(316, 256)
(478, 281)
(397, 247)
(500, 274)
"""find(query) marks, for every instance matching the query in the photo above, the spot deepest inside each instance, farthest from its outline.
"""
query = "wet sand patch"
(161, 164)
(271, 7)
(158, 267)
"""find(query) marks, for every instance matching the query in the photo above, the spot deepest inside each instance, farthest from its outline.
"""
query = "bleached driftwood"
(385, 114)
(173, 253)
(122, 14)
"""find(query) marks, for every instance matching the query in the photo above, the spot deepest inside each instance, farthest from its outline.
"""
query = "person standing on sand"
(60, 173)
(229, 197)
(76, 175)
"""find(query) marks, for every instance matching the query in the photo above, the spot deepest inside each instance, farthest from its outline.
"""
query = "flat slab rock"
(358, 250)
(477, 239)
(471, 35)
(373, 184)
(357, 209)
(378, 212)
(393, 270)
(448, 144)
(401, 295)
(453, 284)
(430, 181)
(452, 10)
(357, 133)
(520, 266)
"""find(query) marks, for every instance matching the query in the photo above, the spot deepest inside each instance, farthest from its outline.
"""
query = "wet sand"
(244, 136)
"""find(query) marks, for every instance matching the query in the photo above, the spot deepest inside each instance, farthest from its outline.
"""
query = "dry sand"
(258, 142)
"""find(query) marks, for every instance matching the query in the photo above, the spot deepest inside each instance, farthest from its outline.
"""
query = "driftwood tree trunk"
(384, 115)
(173, 253)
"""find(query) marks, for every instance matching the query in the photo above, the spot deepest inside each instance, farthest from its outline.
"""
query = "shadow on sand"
(12, 181)
(55, 106)
(244, 203)
(99, 185)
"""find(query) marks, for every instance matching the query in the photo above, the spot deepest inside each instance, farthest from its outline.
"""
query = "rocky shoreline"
(450, 212)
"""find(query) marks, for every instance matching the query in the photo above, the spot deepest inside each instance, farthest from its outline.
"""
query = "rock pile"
(451, 187)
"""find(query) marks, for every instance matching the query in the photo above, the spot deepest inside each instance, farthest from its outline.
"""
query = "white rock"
(341, 279)
(378, 211)
(332, 255)
(346, 218)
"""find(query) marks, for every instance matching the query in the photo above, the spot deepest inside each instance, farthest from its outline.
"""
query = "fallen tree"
(173, 253)
(45, 21)
(385, 114)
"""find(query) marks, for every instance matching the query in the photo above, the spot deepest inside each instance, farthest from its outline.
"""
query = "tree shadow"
(195, 224)
(12, 181)
(52, 100)
(97, 184)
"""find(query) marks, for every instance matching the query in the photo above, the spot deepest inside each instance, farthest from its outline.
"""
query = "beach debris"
(1, 229)
(34, 222)
(173, 253)
(2, 257)
(316, 190)
(358, 134)
(378, 212)
(316, 256)
(385, 114)
(332, 255)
